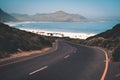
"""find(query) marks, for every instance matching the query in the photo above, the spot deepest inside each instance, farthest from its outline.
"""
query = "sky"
(87, 8)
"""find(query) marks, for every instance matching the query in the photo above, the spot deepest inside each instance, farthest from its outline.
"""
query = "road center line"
(67, 56)
(38, 70)
(106, 65)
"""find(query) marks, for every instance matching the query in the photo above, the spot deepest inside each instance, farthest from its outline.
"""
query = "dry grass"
(24, 53)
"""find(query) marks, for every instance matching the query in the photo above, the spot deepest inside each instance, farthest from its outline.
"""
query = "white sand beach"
(53, 33)
(59, 34)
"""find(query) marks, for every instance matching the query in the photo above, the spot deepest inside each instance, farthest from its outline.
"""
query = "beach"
(75, 35)
(59, 34)
(79, 30)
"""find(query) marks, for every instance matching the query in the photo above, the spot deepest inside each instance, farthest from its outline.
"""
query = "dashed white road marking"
(38, 70)
(67, 56)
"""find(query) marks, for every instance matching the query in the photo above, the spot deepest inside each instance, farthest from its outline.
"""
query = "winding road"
(67, 61)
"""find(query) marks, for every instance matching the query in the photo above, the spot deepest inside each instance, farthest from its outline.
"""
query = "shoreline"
(60, 34)
(76, 35)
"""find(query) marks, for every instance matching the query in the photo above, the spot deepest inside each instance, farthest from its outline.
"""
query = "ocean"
(70, 27)
(75, 27)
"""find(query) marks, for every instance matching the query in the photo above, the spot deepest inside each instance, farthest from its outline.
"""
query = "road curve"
(68, 62)
(106, 65)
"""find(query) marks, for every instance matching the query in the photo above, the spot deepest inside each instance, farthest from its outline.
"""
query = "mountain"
(5, 17)
(59, 16)
(22, 17)
(109, 40)
(13, 40)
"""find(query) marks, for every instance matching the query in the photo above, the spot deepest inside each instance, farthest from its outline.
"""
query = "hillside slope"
(109, 40)
(5, 17)
(14, 40)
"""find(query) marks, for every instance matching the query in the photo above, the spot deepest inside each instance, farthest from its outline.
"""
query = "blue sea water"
(75, 27)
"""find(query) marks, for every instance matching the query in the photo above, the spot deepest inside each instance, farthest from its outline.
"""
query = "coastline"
(59, 34)
(75, 35)
(78, 33)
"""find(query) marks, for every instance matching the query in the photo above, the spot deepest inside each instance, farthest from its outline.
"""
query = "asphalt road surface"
(67, 62)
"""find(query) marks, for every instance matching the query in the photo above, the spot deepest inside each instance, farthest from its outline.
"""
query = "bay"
(75, 27)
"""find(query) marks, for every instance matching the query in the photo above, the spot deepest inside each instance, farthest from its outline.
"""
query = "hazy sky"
(88, 8)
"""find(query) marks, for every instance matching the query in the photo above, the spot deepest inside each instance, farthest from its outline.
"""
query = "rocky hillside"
(14, 40)
(59, 16)
(109, 40)
(5, 17)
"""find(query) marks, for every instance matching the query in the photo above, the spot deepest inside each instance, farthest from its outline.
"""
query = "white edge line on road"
(38, 70)
(67, 56)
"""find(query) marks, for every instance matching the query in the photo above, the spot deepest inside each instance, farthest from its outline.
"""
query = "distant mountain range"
(59, 16)
(5, 17)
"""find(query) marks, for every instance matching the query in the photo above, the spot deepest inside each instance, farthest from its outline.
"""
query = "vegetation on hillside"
(109, 40)
(14, 40)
